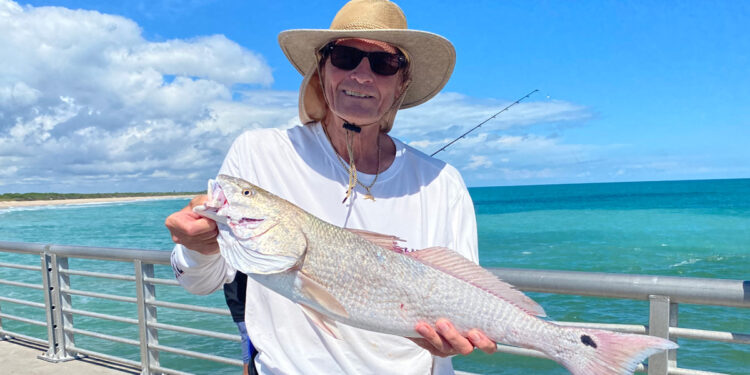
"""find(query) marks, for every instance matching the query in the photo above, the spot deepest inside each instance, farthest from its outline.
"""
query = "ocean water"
(681, 228)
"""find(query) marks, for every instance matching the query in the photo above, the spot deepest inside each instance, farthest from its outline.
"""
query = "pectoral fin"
(318, 293)
(320, 320)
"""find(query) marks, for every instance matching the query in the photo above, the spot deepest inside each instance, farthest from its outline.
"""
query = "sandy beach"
(56, 202)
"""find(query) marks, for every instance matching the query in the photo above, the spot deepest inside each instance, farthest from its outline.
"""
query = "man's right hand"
(192, 230)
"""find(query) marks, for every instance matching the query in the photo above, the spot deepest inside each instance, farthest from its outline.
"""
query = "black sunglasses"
(348, 58)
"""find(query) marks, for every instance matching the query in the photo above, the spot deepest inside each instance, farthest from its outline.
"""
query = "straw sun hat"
(431, 57)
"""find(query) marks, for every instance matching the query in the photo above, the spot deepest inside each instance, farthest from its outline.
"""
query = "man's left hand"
(444, 340)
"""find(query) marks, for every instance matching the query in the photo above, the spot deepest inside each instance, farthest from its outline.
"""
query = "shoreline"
(67, 202)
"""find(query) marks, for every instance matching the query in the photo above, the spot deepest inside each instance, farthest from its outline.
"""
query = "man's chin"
(360, 117)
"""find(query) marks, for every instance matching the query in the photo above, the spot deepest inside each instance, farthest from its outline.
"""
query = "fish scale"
(365, 280)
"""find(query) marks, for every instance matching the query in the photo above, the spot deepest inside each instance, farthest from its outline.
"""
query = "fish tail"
(609, 353)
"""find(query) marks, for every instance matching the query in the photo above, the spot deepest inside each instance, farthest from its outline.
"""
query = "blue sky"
(148, 95)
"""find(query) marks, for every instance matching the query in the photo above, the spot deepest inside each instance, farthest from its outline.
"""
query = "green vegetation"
(51, 196)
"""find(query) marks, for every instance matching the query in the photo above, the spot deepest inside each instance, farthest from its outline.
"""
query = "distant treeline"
(53, 196)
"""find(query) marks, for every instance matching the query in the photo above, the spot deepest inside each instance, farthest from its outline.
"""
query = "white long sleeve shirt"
(419, 199)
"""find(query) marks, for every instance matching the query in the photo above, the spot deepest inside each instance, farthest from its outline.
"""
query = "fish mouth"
(216, 202)
(217, 208)
(218, 199)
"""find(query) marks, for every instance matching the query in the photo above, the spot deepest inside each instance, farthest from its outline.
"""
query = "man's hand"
(444, 340)
(192, 230)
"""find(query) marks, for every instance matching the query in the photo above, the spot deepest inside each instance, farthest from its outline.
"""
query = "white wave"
(66, 206)
(686, 262)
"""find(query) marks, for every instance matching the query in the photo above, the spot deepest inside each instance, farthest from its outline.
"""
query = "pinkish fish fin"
(608, 353)
(318, 293)
(385, 241)
(454, 264)
(320, 320)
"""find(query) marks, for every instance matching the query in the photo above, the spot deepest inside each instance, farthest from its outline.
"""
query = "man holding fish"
(357, 75)
(307, 277)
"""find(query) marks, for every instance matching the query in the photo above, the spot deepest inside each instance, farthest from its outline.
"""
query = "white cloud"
(478, 161)
(449, 115)
(86, 103)
(512, 148)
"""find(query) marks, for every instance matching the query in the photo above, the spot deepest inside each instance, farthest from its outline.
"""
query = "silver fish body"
(367, 281)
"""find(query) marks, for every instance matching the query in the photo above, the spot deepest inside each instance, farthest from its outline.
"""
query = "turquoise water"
(685, 228)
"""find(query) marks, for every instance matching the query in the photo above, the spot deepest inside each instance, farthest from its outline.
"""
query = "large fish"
(366, 280)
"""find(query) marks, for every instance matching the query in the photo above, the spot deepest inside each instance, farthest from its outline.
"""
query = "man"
(344, 168)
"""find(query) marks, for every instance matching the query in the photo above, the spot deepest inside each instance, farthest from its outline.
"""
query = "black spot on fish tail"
(588, 341)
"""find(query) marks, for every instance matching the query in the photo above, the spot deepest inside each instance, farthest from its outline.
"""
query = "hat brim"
(431, 57)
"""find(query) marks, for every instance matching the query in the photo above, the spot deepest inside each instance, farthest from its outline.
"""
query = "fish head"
(258, 231)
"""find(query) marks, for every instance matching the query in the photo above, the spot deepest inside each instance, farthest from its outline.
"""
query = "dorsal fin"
(454, 264)
(385, 241)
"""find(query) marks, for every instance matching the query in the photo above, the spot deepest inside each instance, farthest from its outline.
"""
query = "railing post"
(146, 292)
(50, 305)
(2, 336)
(662, 315)
(55, 301)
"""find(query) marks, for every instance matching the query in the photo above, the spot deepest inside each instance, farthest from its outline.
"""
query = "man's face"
(361, 96)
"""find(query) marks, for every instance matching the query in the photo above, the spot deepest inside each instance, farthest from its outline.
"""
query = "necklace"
(352, 169)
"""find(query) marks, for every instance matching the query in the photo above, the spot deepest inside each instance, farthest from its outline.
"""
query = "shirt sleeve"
(199, 273)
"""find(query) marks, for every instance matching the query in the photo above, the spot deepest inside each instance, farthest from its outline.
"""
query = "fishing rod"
(482, 123)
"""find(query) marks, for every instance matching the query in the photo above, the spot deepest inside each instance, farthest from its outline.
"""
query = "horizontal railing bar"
(181, 306)
(92, 314)
(77, 351)
(194, 331)
(16, 335)
(626, 328)
(689, 333)
(89, 252)
(22, 319)
(103, 336)
(110, 253)
(22, 247)
(190, 353)
(169, 371)
(99, 295)
(20, 284)
(685, 371)
(20, 266)
(155, 280)
(102, 275)
(22, 302)
(702, 291)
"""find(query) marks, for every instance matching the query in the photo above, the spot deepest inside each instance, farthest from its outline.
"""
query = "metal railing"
(664, 294)
(56, 287)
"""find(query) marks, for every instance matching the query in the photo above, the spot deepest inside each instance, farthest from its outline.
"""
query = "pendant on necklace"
(370, 197)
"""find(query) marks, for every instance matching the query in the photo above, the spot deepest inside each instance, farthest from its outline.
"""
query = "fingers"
(193, 231)
(197, 201)
(454, 339)
(445, 340)
(435, 344)
(482, 342)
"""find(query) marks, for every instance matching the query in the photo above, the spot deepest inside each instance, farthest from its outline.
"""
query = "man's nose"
(362, 72)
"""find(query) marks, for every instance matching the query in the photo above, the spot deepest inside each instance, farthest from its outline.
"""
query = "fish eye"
(247, 192)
